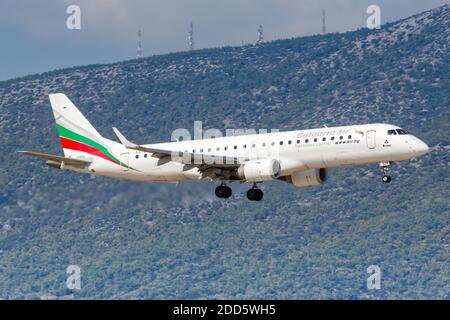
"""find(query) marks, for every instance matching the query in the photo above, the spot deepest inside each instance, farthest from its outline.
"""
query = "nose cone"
(420, 148)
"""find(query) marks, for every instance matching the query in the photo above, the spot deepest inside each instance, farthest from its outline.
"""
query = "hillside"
(135, 240)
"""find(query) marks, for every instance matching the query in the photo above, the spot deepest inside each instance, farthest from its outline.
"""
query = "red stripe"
(74, 145)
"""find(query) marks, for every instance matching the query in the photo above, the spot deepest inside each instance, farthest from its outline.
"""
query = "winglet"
(124, 140)
(128, 144)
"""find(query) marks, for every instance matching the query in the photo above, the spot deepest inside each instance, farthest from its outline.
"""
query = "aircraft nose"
(421, 148)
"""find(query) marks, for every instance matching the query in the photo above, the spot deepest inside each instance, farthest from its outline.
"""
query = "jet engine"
(312, 177)
(259, 170)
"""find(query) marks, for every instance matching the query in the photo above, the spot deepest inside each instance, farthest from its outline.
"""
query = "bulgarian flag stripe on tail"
(75, 141)
(74, 145)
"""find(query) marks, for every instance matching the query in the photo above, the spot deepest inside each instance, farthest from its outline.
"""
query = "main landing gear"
(223, 191)
(385, 165)
(255, 194)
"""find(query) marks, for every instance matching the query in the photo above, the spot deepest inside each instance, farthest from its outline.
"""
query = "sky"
(34, 37)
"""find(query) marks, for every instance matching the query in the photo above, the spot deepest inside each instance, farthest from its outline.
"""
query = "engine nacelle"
(259, 170)
(312, 177)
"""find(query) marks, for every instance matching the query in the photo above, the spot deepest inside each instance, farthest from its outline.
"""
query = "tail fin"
(75, 131)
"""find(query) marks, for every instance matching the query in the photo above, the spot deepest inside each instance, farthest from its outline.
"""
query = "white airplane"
(297, 157)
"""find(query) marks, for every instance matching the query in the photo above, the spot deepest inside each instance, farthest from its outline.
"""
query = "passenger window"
(218, 149)
(193, 151)
(332, 138)
(306, 140)
(235, 147)
(298, 141)
(244, 146)
(350, 136)
(315, 139)
(324, 139)
(145, 155)
(226, 148)
(201, 150)
(264, 144)
(253, 145)
(341, 137)
(289, 142)
(137, 156)
(281, 143)
(273, 143)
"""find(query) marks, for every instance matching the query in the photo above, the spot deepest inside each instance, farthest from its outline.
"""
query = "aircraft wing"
(68, 161)
(217, 161)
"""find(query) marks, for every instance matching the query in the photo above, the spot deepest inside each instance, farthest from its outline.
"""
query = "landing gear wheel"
(259, 194)
(255, 194)
(385, 166)
(223, 191)
(228, 192)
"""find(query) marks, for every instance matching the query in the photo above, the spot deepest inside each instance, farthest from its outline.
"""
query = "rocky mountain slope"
(135, 240)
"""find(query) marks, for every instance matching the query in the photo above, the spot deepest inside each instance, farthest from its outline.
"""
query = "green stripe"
(66, 133)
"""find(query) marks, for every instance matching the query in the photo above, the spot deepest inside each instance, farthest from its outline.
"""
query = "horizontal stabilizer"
(67, 161)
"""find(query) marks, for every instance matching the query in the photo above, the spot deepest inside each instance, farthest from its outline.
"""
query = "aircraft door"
(125, 160)
(371, 139)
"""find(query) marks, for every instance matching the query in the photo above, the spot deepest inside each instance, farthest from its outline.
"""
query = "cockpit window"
(401, 131)
(392, 132)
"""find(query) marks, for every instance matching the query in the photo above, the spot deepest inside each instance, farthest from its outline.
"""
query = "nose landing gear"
(385, 165)
(255, 194)
(223, 191)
